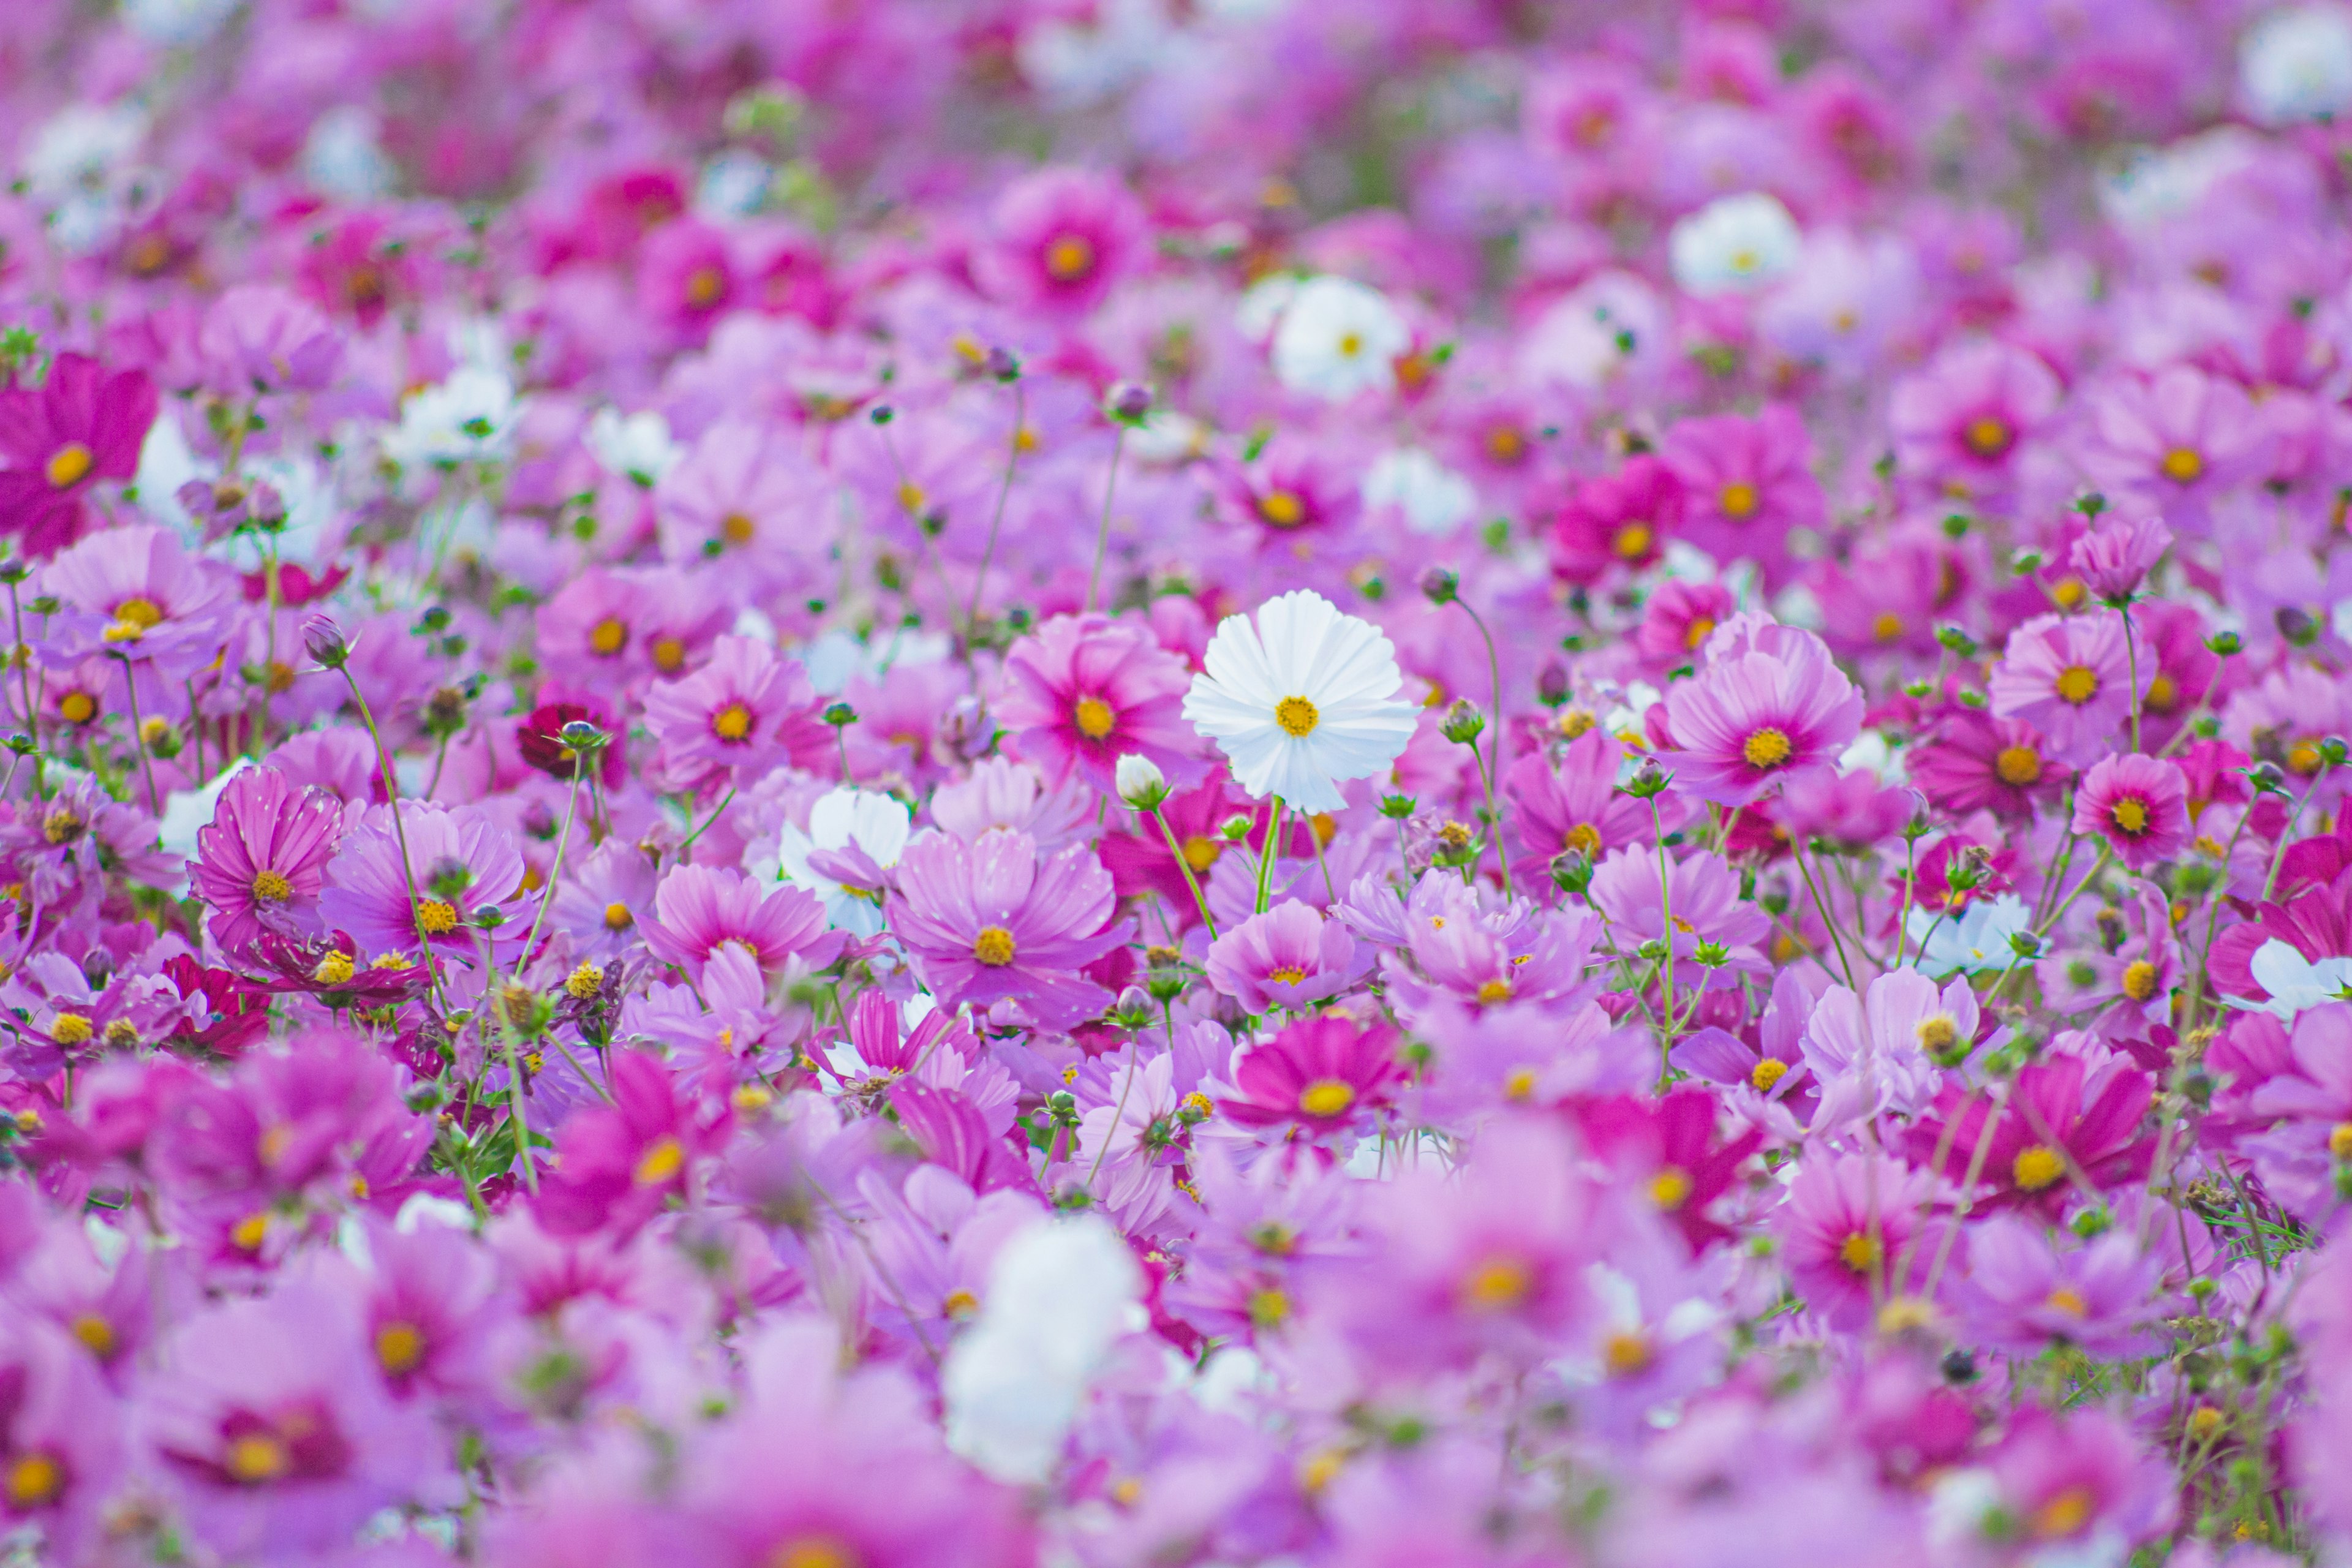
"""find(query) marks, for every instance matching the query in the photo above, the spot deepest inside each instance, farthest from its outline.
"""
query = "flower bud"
(325, 642)
(1140, 783)
(1571, 872)
(1128, 401)
(1441, 585)
(1464, 723)
(840, 715)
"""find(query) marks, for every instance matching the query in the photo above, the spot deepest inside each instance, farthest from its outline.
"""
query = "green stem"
(1102, 533)
(1200, 901)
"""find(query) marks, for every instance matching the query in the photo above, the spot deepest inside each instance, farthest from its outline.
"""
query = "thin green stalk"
(1102, 533)
(1199, 902)
(996, 519)
(139, 737)
(1266, 854)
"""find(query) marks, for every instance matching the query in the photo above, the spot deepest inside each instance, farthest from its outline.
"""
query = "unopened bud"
(1441, 585)
(323, 640)
(1128, 401)
(1140, 783)
(1464, 723)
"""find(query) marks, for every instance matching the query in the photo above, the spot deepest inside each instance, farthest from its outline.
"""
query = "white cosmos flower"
(865, 821)
(2295, 982)
(1338, 338)
(635, 447)
(1978, 943)
(1735, 245)
(1303, 698)
(2297, 64)
(1433, 498)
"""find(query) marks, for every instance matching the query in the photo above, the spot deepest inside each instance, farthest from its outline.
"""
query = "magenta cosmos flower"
(2177, 441)
(1063, 238)
(994, 921)
(2138, 805)
(1745, 483)
(1288, 957)
(1575, 804)
(1620, 519)
(1753, 721)
(1085, 691)
(698, 910)
(79, 426)
(1318, 1077)
(1959, 423)
(462, 865)
(1980, 764)
(1847, 1222)
(2069, 677)
(261, 861)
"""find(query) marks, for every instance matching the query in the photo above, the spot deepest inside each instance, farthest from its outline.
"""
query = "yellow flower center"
(1286, 975)
(737, 530)
(70, 1029)
(247, 1234)
(2339, 1141)
(662, 1160)
(333, 970)
(608, 637)
(257, 1457)
(703, 285)
(77, 708)
(1201, 852)
(1767, 1072)
(669, 655)
(272, 886)
(1584, 839)
(1504, 444)
(732, 723)
(1671, 1187)
(1281, 508)
(1269, 1307)
(1632, 541)
(1326, 1097)
(1859, 1252)
(134, 619)
(2129, 814)
(35, 1480)
(2037, 1166)
(1987, 436)
(1493, 993)
(1069, 258)
(1094, 718)
(993, 946)
(399, 1347)
(2077, 685)
(2163, 694)
(1520, 1084)
(2303, 758)
(95, 1335)
(2183, 466)
(1936, 1033)
(2018, 766)
(1498, 1285)
(1738, 500)
(584, 982)
(1767, 748)
(435, 917)
(1626, 1354)
(2065, 1513)
(1297, 716)
(1887, 627)
(813, 1551)
(2069, 1300)
(2139, 980)
(1701, 628)
(68, 466)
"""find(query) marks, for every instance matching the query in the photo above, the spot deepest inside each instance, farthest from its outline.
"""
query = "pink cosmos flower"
(686, 278)
(2138, 804)
(1288, 957)
(746, 710)
(135, 594)
(745, 497)
(1575, 806)
(1319, 1077)
(2022, 1292)
(2068, 677)
(1705, 907)
(1747, 482)
(1678, 618)
(1619, 520)
(1081, 692)
(615, 1166)
(2304, 1107)
(1960, 423)
(1063, 238)
(699, 910)
(274, 1430)
(261, 861)
(2114, 558)
(1751, 720)
(2080, 1478)
(1980, 764)
(2177, 441)
(994, 920)
(462, 865)
(2064, 1123)
(604, 629)
(1846, 1224)
(60, 1431)
(79, 426)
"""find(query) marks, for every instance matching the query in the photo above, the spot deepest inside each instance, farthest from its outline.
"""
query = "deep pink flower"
(698, 910)
(617, 1166)
(1619, 520)
(1575, 806)
(1081, 692)
(1745, 483)
(746, 710)
(1669, 1147)
(2062, 1122)
(81, 425)
(1063, 238)
(1845, 1225)
(1960, 423)
(261, 861)
(1319, 1076)
(994, 920)
(2138, 804)
(1750, 721)
(2068, 677)
(1975, 762)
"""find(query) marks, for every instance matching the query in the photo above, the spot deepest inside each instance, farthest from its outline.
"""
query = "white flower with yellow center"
(843, 820)
(2297, 64)
(1302, 699)
(1338, 338)
(1735, 245)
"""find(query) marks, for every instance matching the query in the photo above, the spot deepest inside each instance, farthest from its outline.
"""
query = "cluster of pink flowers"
(939, 783)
